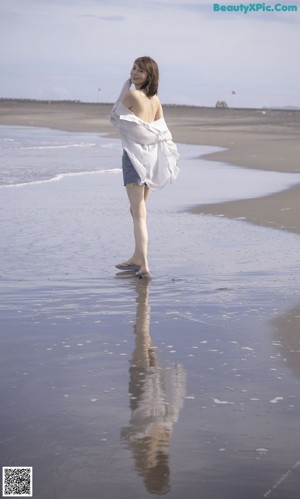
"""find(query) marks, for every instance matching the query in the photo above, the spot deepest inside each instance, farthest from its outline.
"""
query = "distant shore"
(252, 138)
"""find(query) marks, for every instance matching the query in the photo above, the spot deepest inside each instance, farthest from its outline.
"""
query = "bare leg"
(146, 196)
(138, 196)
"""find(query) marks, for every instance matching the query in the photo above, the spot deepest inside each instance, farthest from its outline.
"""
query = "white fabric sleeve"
(114, 115)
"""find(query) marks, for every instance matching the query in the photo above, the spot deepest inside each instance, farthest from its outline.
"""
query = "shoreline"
(251, 138)
(278, 211)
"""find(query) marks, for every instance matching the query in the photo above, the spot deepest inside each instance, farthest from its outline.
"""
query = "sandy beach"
(252, 138)
(186, 385)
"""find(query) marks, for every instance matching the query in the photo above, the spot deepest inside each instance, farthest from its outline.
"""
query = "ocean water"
(34, 155)
(31, 154)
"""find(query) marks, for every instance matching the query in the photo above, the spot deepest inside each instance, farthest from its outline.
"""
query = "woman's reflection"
(156, 397)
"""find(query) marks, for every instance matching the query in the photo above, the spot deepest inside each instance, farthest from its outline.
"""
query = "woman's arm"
(130, 100)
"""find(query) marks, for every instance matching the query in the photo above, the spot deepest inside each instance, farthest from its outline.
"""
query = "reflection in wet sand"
(156, 397)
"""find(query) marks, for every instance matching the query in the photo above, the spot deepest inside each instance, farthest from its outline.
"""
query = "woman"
(149, 155)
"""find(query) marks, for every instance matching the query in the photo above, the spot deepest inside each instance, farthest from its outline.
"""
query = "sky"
(84, 49)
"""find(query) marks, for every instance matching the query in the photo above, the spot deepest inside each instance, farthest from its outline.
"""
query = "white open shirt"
(149, 145)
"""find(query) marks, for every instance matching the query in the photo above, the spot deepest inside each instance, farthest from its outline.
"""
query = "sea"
(31, 155)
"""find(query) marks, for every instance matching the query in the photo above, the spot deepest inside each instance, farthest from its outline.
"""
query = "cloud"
(62, 93)
(80, 45)
(105, 18)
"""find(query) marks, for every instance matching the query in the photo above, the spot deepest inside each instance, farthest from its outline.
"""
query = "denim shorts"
(130, 174)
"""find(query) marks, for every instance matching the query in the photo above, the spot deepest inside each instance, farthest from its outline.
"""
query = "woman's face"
(138, 76)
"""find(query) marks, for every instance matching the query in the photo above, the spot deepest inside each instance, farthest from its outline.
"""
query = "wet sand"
(185, 386)
(260, 139)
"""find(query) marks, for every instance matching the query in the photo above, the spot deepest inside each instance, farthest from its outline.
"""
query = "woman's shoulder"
(134, 93)
(131, 98)
(156, 99)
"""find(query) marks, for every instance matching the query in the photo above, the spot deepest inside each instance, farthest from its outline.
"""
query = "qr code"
(16, 481)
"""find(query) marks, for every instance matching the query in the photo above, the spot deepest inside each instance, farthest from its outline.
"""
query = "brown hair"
(149, 65)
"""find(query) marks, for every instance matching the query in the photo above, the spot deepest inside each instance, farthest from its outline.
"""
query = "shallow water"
(32, 155)
(115, 387)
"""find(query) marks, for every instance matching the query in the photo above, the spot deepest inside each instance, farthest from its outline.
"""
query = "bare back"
(146, 108)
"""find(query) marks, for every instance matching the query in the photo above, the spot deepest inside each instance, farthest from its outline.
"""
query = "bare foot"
(143, 273)
(128, 265)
